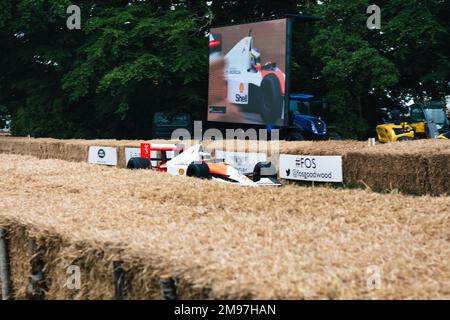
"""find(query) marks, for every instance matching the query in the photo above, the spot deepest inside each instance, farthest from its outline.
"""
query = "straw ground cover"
(219, 241)
(417, 167)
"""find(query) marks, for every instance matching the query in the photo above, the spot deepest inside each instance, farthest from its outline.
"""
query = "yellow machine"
(395, 132)
(425, 121)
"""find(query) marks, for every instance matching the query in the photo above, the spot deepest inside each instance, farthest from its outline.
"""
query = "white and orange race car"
(259, 87)
(196, 162)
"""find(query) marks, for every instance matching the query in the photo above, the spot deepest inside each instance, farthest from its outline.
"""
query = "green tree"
(135, 57)
(363, 70)
(415, 37)
(129, 60)
(136, 61)
(354, 72)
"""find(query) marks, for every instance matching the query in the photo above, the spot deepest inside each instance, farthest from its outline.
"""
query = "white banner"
(136, 153)
(311, 168)
(103, 155)
(243, 161)
(131, 153)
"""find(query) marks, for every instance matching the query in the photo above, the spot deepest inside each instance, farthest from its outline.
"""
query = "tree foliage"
(359, 70)
(129, 60)
(133, 58)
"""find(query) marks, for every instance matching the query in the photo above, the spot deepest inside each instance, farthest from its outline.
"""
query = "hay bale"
(95, 271)
(19, 259)
(410, 167)
(404, 166)
(439, 172)
(222, 241)
(386, 172)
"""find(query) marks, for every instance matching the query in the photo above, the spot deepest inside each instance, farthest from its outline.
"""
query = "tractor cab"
(429, 119)
(305, 122)
(434, 112)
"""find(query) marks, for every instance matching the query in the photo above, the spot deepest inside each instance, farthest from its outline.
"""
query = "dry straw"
(417, 167)
(216, 240)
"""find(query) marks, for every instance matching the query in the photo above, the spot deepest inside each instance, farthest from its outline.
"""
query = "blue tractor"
(305, 122)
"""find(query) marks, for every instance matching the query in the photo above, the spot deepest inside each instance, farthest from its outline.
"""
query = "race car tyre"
(255, 99)
(272, 100)
(139, 163)
(198, 170)
(264, 170)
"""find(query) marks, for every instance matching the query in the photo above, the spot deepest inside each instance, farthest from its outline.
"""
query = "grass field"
(220, 241)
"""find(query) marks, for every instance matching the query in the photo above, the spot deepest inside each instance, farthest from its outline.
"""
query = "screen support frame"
(289, 28)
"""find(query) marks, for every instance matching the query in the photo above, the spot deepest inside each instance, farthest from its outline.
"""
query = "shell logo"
(241, 88)
(181, 172)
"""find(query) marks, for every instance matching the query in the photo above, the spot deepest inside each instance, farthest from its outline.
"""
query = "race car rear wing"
(162, 149)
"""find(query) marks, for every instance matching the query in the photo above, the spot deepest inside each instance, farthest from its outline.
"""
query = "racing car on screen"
(196, 162)
(260, 88)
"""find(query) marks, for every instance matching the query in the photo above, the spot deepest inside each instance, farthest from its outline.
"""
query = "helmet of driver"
(255, 53)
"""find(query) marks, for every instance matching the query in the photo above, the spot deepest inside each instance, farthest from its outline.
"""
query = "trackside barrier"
(381, 167)
(39, 283)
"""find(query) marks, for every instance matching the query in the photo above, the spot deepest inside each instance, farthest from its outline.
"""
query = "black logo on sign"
(309, 163)
(101, 153)
(241, 98)
(288, 172)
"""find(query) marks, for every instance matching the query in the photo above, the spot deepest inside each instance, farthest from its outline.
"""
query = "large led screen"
(247, 65)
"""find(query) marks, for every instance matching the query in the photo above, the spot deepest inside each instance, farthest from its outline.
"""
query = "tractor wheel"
(295, 135)
(139, 163)
(404, 139)
(264, 170)
(272, 99)
(332, 135)
(198, 170)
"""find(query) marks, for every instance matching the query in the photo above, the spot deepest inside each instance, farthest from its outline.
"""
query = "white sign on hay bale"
(243, 161)
(311, 168)
(132, 153)
(103, 155)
